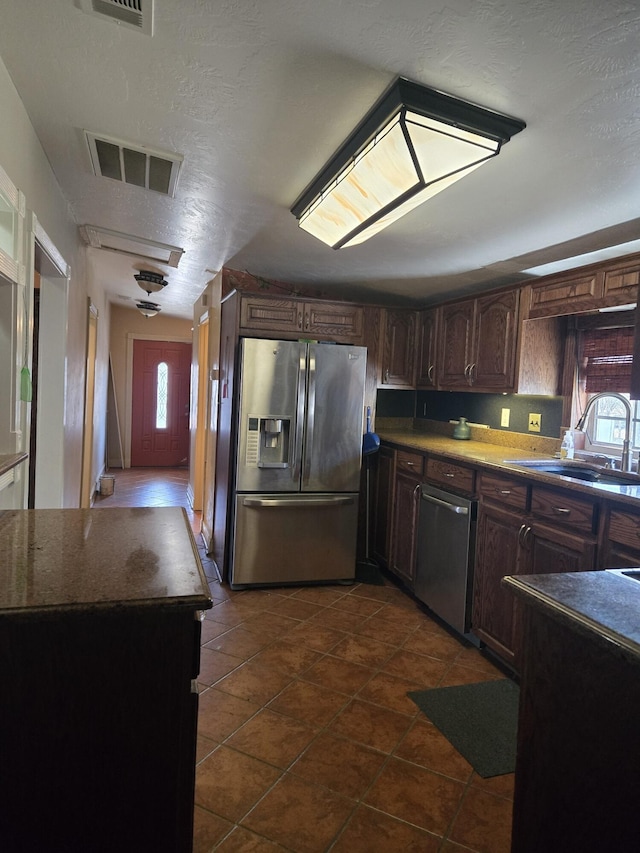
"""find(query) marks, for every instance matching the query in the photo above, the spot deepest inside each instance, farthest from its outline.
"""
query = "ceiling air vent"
(131, 164)
(137, 14)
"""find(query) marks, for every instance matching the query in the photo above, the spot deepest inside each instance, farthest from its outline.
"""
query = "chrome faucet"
(626, 459)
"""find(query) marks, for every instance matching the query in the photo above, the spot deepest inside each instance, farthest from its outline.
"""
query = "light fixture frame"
(405, 95)
(151, 282)
(148, 309)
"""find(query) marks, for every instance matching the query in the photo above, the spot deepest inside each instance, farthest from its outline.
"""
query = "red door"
(160, 406)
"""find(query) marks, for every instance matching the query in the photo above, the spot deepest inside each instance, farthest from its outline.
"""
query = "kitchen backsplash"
(476, 408)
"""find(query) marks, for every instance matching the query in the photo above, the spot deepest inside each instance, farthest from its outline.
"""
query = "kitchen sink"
(577, 470)
(632, 574)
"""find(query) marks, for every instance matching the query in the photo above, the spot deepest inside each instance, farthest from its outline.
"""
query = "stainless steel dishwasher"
(446, 545)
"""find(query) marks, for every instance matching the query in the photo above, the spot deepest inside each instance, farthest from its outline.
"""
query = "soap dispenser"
(566, 448)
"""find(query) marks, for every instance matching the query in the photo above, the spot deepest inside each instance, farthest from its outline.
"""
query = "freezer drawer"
(294, 538)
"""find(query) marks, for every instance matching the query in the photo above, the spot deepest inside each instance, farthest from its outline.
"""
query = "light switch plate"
(534, 422)
(504, 417)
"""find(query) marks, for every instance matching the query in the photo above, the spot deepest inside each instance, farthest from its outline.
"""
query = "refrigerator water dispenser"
(268, 442)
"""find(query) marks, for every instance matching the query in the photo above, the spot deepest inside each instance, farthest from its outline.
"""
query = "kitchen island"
(99, 650)
(577, 770)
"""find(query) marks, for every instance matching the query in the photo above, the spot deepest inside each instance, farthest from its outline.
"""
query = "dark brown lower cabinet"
(577, 766)
(405, 527)
(98, 729)
(498, 554)
(622, 549)
(512, 542)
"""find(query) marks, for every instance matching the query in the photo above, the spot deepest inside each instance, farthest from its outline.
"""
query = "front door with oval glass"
(160, 405)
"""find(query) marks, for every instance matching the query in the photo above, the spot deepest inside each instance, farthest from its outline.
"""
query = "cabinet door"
(494, 350)
(405, 528)
(455, 344)
(497, 555)
(397, 354)
(621, 282)
(265, 314)
(335, 321)
(565, 294)
(383, 504)
(552, 550)
(622, 548)
(426, 368)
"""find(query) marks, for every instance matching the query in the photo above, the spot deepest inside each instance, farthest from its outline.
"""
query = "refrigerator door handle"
(273, 464)
(311, 413)
(337, 500)
(299, 427)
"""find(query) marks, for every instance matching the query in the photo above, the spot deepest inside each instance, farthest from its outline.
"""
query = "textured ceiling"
(257, 95)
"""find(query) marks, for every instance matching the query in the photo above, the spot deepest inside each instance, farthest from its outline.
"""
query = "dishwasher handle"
(459, 510)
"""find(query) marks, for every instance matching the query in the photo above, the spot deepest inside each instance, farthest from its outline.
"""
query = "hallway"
(307, 742)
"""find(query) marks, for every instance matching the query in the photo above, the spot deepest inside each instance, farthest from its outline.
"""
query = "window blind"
(609, 355)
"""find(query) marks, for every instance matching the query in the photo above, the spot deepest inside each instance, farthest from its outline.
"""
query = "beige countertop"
(503, 458)
(82, 559)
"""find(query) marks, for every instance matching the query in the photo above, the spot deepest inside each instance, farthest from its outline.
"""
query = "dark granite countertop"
(504, 459)
(10, 460)
(83, 559)
(604, 606)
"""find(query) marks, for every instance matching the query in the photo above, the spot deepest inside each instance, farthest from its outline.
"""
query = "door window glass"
(162, 385)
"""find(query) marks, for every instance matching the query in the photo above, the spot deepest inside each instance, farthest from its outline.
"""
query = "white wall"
(23, 158)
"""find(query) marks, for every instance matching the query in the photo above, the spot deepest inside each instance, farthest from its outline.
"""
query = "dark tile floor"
(307, 741)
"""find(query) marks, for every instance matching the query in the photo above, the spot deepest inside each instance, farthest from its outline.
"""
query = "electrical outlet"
(504, 417)
(534, 422)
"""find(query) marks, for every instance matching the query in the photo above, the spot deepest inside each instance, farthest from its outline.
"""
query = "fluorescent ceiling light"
(610, 309)
(413, 143)
(116, 241)
(583, 260)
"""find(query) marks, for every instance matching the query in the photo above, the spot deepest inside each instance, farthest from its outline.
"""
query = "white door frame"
(52, 369)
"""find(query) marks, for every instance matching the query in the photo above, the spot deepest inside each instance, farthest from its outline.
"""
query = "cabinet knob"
(449, 474)
(430, 374)
(386, 375)
(299, 319)
(560, 510)
(306, 321)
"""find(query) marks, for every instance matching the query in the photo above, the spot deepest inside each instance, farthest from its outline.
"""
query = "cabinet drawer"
(449, 474)
(411, 462)
(504, 490)
(562, 508)
(624, 527)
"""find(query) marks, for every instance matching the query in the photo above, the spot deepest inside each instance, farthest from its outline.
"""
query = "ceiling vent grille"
(137, 14)
(130, 164)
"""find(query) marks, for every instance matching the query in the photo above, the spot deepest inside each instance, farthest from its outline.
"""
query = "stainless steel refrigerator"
(297, 467)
